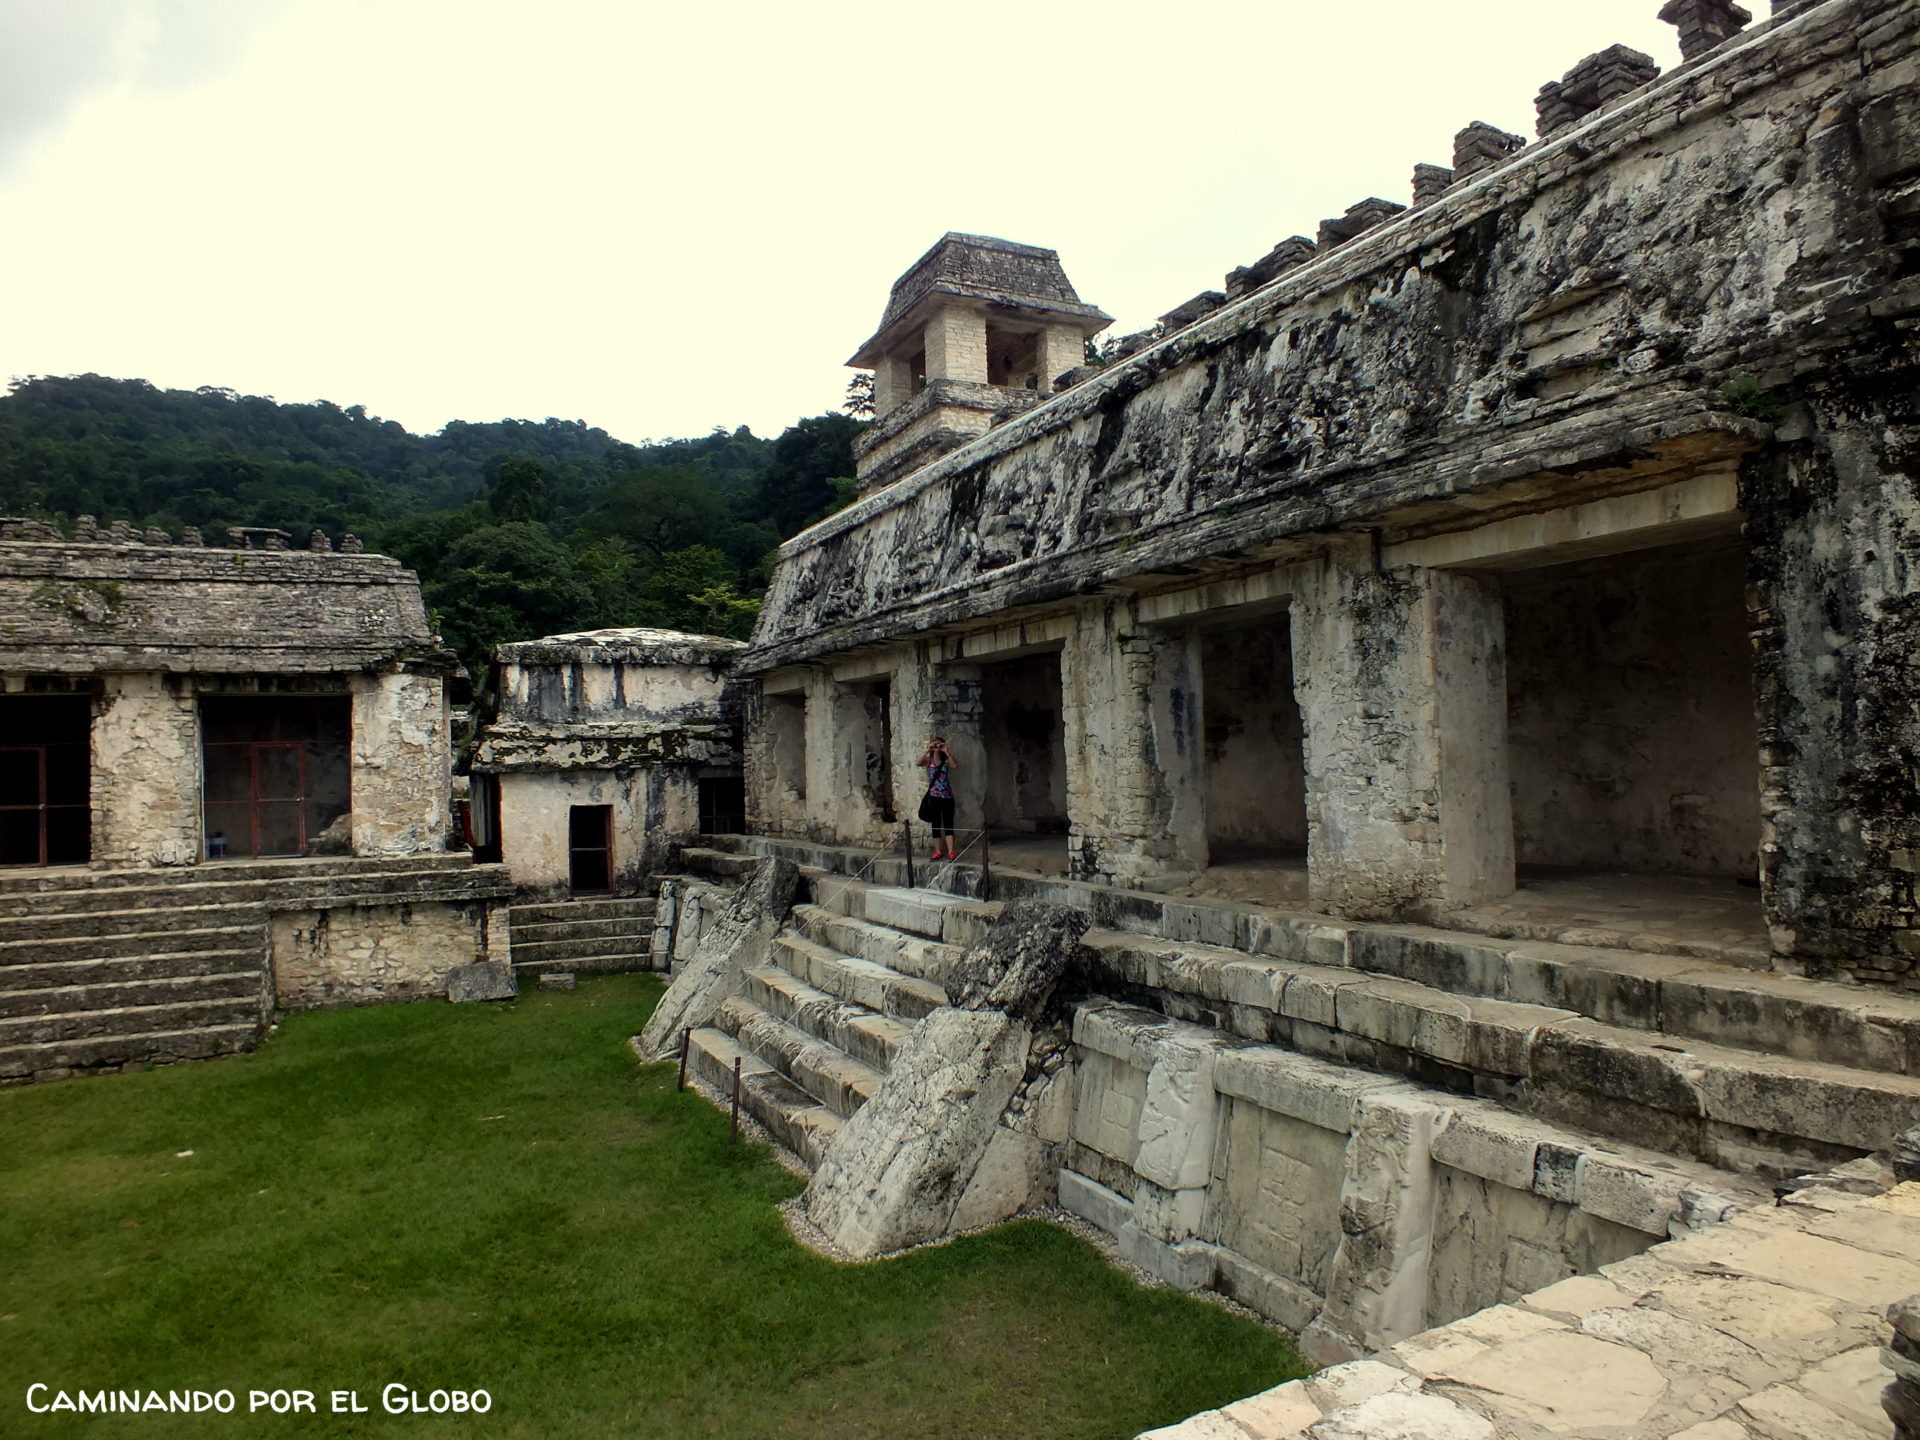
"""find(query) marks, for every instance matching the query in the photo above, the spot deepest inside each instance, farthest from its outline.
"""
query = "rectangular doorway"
(278, 774)
(590, 848)
(1024, 788)
(1630, 717)
(723, 805)
(1254, 741)
(46, 814)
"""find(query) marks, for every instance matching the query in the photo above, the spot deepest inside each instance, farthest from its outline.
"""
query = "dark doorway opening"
(723, 805)
(1024, 788)
(483, 819)
(590, 848)
(46, 814)
(278, 774)
(1254, 738)
(1631, 733)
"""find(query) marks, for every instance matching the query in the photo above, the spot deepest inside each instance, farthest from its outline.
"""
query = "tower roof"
(1006, 276)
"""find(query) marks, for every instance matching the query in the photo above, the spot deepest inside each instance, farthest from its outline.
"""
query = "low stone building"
(227, 778)
(607, 748)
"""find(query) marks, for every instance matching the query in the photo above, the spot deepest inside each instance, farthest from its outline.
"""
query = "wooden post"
(986, 867)
(733, 1125)
(906, 829)
(686, 1042)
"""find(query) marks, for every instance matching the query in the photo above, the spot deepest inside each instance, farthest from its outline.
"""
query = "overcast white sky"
(661, 217)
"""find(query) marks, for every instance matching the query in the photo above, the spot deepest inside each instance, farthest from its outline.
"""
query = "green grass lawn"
(500, 1197)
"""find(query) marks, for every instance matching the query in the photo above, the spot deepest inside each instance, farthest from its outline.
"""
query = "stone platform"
(1767, 1327)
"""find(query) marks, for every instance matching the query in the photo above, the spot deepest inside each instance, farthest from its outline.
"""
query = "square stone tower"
(977, 330)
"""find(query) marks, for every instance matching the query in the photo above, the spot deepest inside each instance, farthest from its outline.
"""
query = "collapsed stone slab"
(946, 1143)
(736, 937)
(482, 980)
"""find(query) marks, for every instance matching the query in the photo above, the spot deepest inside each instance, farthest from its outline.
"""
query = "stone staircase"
(587, 936)
(1747, 1070)
(816, 1026)
(109, 967)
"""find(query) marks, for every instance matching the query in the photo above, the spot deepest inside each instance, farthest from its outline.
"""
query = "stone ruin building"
(604, 749)
(225, 780)
(1437, 736)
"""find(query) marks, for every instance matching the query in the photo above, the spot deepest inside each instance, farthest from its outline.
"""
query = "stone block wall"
(1353, 1209)
(369, 954)
(146, 771)
(402, 764)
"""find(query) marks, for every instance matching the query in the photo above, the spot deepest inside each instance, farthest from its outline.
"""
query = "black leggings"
(940, 815)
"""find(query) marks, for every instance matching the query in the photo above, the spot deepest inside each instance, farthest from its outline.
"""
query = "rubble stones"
(1705, 24)
(1357, 221)
(1289, 254)
(1597, 80)
(482, 980)
(1430, 183)
(732, 939)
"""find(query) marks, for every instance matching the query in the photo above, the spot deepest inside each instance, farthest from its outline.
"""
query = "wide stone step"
(951, 918)
(790, 1115)
(191, 1014)
(152, 920)
(20, 1060)
(1673, 995)
(68, 877)
(867, 1036)
(529, 952)
(699, 860)
(125, 993)
(878, 987)
(909, 954)
(617, 927)
(567, 912)
(43, 951)
(585, 965)
(822, 1069)
(1715, 1102)
(372, 880)
(165, 965)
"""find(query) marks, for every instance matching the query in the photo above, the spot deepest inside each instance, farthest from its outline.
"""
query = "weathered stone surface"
(558, 980)
(482, 980)
(731, 940)
(929, 1152)
(901, 1165)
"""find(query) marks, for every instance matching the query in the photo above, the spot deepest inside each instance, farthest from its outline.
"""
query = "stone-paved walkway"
(1768, 1327)
(1658, 914)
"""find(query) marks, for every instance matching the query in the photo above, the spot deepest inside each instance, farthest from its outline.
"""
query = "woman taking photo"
(937, 808)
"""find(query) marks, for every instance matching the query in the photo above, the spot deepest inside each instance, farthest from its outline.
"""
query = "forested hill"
(518, 528)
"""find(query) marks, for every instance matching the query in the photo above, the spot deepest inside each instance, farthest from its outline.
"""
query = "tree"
(518, 489)
(797, 488)
(696, 589)
(658, 511)
(859, 401)
(507, 582)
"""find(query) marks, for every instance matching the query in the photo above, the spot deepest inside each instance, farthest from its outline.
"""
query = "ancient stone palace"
(1435, 732)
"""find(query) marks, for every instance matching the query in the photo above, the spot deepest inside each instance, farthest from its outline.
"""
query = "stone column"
(1402, 684)
(1061, 349)
(146, 772)
(892, 385)
(957, 345)
(1831, 512)
(402, 764)
(1136, 786)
